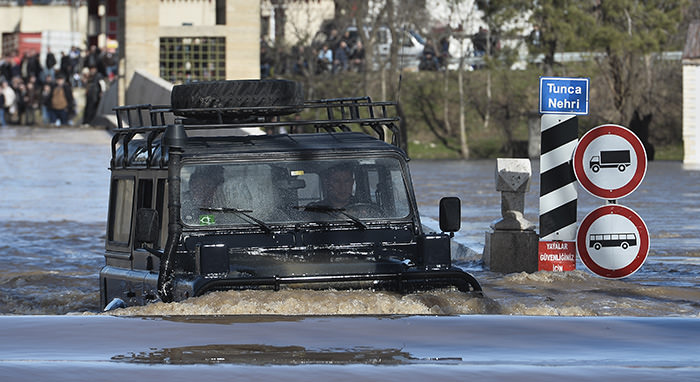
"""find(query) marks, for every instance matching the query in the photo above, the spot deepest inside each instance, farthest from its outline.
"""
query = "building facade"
(42, 26)
(691, 96)
(190, 40)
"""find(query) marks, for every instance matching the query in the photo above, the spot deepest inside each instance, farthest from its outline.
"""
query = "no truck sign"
(610, 162)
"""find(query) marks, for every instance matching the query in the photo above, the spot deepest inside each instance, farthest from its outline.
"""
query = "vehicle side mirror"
(147, 225)
(450, 214)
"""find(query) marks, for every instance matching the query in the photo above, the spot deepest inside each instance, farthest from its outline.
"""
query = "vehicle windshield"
(293, 191)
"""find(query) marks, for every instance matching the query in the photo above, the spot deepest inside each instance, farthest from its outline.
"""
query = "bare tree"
(462, 14)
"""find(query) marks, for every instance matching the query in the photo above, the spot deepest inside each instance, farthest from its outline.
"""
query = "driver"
(338, 182)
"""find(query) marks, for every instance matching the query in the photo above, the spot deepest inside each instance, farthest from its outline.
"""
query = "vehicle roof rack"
(329, 115)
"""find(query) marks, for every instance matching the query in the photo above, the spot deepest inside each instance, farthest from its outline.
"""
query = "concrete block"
(512, 180)
(146, 88)
(513, 175)
(511, 251)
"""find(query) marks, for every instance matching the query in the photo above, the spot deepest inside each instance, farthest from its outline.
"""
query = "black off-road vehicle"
(196, 207)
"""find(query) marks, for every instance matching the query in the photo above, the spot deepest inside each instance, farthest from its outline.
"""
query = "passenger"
(204, 192)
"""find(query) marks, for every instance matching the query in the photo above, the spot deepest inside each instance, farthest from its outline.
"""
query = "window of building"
(188, 59)
(220, 12)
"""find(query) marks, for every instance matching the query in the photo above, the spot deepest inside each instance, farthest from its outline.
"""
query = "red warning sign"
(557, 256)
(610, 162)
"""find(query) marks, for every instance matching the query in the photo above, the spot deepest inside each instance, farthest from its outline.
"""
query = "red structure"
(96, 26)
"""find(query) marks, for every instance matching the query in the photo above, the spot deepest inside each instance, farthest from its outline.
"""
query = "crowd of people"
(336, 54)
(340, 53)
(34, 92)
(344, 53)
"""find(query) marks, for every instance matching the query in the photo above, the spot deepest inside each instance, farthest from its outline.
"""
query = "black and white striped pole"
(558, 193)
(561, 100)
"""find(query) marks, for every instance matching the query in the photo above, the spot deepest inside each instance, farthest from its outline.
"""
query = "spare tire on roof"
(237, 98)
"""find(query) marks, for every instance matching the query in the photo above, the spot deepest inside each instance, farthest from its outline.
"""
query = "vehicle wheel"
(595, 168)
(621, 167)
(364, 210)
(268, 97)
(596, 246)
(624, 245)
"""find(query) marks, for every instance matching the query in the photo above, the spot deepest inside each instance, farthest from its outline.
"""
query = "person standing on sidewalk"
(93, 94)
(2, 110)
(61, 101)
(8, 102)
(51, 62)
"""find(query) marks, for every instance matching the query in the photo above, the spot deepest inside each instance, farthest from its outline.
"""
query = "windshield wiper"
(341, 211)
(259, 222)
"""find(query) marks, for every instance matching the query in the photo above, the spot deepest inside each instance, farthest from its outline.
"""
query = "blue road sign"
(560, 95)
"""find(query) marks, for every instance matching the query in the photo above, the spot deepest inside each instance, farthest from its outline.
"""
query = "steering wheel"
(364, 209)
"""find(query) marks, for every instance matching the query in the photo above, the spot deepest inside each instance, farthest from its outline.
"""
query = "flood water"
(53, 205)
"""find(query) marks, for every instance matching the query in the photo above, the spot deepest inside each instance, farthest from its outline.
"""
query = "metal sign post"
(561, 100)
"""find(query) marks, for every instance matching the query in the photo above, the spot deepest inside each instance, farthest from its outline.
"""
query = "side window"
(145, 195)
(387, 189)
(398, 194)
(120, 208)
(162, 207)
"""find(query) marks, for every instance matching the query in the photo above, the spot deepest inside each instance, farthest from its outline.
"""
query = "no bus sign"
(610, 162)
(612, 241)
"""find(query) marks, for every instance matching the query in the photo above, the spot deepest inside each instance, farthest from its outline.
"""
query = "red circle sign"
(610, 162)
(612, 241)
